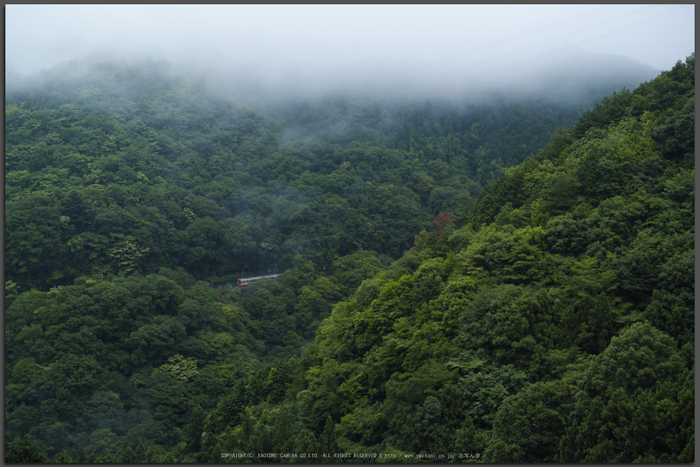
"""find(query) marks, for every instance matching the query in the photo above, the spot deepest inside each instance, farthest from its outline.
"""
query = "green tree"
(328, 444)
(195, 430)
(24, 451)
(531, 422)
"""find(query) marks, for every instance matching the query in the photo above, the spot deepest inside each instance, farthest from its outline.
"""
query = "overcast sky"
(358, 45)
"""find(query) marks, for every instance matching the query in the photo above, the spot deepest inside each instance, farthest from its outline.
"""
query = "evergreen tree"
(328, 444)
(24, 451)
(195, 430)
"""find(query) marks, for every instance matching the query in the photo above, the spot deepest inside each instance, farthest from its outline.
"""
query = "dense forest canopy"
(513, 278)
(132, 167)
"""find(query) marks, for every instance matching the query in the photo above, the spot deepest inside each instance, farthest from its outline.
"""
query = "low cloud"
(409, 51)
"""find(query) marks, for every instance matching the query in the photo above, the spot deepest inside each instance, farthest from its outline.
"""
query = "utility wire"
(486, 46)
(338, 119)
(543, 55)
(499, 42)
(564, 36)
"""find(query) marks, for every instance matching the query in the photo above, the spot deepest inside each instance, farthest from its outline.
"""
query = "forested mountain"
(128, 168)
(547, 315)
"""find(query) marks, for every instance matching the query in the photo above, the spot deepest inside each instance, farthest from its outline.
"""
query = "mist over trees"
(141, 141)
(509, 274)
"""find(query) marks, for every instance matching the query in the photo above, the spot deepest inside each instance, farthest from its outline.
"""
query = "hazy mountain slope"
(567, 286)
(570, 288)
(105, 157)
(498, 337)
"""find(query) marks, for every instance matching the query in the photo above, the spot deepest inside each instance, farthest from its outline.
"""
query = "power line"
(338, 119)
(334, 120)
(540, 56)
(483, 62)
(499, 42)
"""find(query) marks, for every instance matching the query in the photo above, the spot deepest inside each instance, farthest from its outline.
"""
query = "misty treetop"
(555, 324)
(546, 315)
(115, 168)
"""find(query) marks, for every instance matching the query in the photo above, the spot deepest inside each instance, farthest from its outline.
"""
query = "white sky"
(392, 45)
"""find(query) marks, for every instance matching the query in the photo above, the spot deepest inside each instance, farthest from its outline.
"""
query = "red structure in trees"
(441, 221)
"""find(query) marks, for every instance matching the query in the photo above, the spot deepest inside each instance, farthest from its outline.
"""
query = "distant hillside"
(459, 279)
(555, 324)
(580, 77)
(137, 155)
